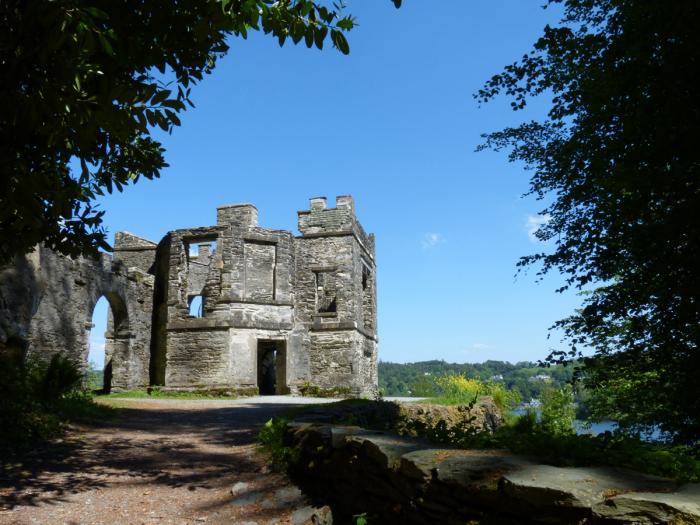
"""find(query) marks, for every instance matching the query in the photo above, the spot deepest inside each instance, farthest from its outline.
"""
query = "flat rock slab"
(411, 481)
(549, 486)
(682, 506)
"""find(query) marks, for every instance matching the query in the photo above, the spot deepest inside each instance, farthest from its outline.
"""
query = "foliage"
(558, 411)
(361, 519)
(617, 161)
(419, 379)
(95, 377)
(271, 439)
(36, 397)
(679, 462)
(456, 389)
(85, 83)
(50, 383)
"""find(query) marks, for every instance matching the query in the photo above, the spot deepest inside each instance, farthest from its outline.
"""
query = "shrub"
(36, 396)
(50, 383)
(457, 389)
(558, 411)
(271, 440)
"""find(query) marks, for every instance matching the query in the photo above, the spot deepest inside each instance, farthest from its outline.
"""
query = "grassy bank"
(156, 393)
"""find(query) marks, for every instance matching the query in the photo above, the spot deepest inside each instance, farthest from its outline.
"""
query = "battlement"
(320, 219)
(244, 216)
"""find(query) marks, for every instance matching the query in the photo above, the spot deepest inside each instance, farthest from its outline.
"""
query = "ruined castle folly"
(230, 307)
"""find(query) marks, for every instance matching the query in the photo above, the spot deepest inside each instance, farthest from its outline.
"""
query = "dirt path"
(161, 462)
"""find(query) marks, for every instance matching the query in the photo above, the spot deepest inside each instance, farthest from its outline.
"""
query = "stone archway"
(117, 337)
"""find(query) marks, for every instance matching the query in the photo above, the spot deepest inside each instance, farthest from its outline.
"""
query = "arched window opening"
(99, 370)
(196, 308)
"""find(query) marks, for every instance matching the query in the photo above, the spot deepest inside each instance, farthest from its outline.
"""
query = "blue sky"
(395, 125)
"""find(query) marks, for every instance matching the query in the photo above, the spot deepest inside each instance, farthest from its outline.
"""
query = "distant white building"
(540, 378)
(497, 377)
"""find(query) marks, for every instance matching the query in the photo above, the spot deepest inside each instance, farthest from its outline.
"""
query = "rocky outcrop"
(484, 415)
(405, 480)
(410, 419)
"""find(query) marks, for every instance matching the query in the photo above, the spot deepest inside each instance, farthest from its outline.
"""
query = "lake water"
(600, 427)
(582, 427)
(594, 428)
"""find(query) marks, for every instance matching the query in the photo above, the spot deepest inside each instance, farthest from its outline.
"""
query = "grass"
(155, 393)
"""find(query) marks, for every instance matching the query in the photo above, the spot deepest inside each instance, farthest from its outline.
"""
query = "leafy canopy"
(85, 82)
(618, 158)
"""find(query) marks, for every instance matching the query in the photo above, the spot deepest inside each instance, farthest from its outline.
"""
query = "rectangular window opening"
(201, 250)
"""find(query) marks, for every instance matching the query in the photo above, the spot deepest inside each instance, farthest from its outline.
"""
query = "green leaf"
(320, 36)
(340, 42)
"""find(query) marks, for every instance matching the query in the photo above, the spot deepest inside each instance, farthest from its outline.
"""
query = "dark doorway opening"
(272, 368)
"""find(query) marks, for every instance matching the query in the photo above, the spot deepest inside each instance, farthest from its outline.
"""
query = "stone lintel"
(323, 268)
(261, 237)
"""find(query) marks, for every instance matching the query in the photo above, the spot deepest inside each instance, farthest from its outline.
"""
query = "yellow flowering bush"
(457, 389)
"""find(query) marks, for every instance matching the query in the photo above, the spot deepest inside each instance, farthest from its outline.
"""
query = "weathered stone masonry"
(233, 306)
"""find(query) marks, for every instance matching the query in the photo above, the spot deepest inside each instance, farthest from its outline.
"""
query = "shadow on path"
(193, 446)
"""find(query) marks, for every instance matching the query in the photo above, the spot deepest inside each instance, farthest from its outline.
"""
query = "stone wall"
(202, 308)
(52, 312)
(395, 479)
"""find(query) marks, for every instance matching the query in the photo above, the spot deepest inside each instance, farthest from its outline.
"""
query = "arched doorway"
(108, 341)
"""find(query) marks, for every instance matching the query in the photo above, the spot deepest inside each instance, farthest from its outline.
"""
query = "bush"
(271, 440)
(456, 389)
(48, 384)
(36, 397)
(558, 411)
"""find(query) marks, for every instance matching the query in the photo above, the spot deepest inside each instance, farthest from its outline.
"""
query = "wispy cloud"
(431, 240)
(533, 223)
(480, 346)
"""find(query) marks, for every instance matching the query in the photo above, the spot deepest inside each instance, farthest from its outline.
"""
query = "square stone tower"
(250, 309)
(335, 296)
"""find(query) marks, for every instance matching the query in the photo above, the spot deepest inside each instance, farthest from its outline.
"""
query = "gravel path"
(161, 462)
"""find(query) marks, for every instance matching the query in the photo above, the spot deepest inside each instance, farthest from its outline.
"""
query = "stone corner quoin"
(232, 307)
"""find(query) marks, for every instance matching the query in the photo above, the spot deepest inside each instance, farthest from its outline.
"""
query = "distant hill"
(417, 379)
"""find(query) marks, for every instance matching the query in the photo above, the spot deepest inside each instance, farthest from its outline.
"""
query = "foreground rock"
(410, 419)
(404, 480)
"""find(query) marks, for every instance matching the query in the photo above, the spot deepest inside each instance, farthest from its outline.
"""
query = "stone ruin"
(232, 307)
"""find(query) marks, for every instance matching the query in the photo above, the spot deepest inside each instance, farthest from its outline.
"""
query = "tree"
(617, 159)
(84, 83)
